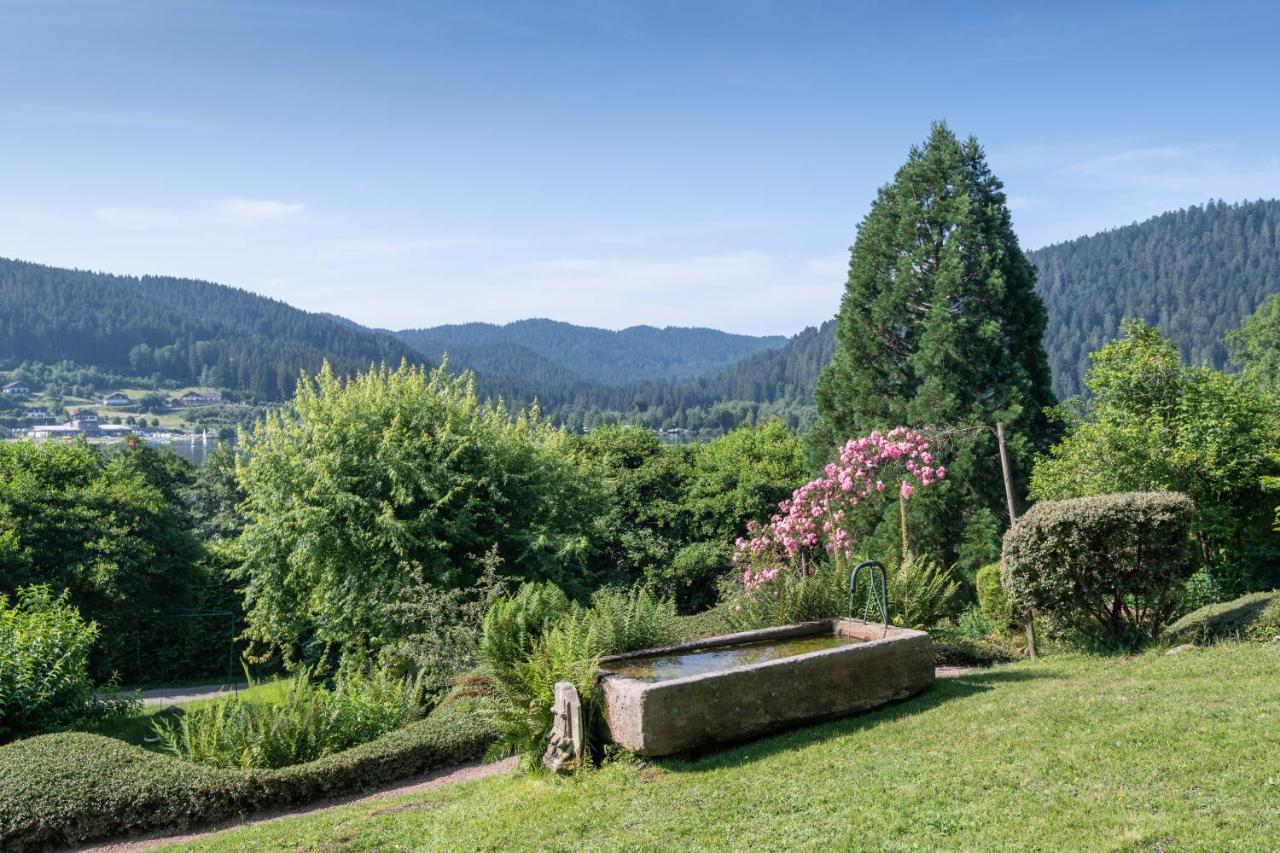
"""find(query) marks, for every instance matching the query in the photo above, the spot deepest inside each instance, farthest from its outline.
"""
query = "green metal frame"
(231, 636)
(875, 594)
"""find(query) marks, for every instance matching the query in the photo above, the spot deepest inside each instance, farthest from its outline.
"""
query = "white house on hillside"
(199, 398)
(116, 399)
(15, 388)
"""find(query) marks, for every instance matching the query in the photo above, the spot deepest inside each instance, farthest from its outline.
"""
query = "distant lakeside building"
(83, 422)
(116, 399)
(199, 398)
(15, 388)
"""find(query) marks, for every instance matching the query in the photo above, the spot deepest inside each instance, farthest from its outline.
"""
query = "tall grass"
(309, 722)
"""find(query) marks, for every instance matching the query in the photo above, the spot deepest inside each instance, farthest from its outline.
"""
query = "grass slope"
(1147, 753)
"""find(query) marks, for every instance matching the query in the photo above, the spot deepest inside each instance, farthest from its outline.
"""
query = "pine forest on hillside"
(1194, 273)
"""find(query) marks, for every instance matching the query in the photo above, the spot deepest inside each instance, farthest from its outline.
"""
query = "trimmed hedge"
(992, 599)
(66, 789)
(1252, 617)
(951, 648)
(1112, 565)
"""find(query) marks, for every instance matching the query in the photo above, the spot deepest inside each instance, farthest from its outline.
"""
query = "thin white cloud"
(224, 211)
(243, 211)
(1131, 158)
(1177, 175)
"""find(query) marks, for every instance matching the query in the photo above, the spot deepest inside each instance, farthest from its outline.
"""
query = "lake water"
(194, 452)
(682, 664)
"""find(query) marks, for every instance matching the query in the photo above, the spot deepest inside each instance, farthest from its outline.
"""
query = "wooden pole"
(1008, 475)
(1013, 518)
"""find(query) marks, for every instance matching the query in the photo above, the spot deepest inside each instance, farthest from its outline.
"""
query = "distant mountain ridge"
(185, 330)
(1195, 273)
(602, 356)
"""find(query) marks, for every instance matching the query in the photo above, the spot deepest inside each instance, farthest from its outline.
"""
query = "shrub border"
(69, 788)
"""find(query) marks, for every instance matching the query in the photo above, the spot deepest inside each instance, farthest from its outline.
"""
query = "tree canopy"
(1155, 423)
(940, 326)
(363, 492)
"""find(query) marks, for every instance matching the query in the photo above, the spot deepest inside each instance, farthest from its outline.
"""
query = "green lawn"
(1147, 753)
(136, 728)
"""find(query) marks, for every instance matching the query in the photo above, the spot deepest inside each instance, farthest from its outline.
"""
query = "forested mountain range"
(1195, 273)
(185, 331)
(599, 356)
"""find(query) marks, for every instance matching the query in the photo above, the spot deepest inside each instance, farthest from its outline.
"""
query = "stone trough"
(725, 689)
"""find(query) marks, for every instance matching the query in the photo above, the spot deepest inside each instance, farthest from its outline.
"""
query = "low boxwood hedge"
(951, 648)
(65, 789)
(1250, 617)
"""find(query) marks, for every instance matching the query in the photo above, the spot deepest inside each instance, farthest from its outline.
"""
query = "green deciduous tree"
(363, 493)
(1255, 346)
(641, 525)
(1155, 423)
(673, 513)
(106, 528)
(940, 326)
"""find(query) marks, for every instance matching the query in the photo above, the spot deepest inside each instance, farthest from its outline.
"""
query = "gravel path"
(953, 671)
(178, 695)
(425, 782)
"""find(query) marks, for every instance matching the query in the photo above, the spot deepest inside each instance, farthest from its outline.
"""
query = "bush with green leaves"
(363, 492)
(310, 722)
(569, 650)
(921, 592)
(992, 599)
(1201, 589)
(822, 593)
(63, 790)
(974, 623)
(625, 621)
(514, 624)
(44, 658)
(1155, 423)
(439, 629)
(1110, 568)
(672, 513)
(1250, 617)
(953, 647)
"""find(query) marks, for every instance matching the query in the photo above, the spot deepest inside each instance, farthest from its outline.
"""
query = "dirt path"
(953, 671)
(178, 695)
(425, 782)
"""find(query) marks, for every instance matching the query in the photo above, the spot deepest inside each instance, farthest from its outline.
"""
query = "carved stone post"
(564, 750)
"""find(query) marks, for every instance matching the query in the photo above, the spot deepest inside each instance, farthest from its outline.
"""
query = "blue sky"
(683, 163)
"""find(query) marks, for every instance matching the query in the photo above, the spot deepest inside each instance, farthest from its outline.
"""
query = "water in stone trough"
(699, 661)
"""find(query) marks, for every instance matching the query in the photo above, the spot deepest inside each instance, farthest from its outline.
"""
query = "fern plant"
(309, 722)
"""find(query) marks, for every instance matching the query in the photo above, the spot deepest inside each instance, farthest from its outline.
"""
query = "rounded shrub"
(992, 599)
(1110, 566)
(1251, 617)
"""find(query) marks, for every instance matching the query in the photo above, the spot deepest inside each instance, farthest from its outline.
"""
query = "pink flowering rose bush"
(796, 567)
(814, 521)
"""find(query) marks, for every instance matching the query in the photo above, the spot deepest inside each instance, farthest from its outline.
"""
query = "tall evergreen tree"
(940, 325)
